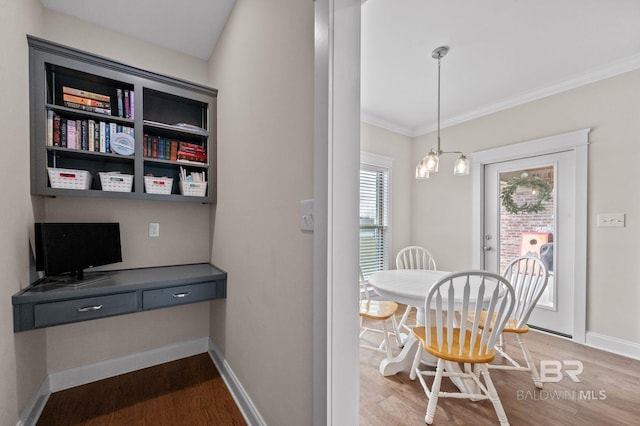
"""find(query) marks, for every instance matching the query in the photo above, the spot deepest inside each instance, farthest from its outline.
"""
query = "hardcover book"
(71, 134)
(85, 94)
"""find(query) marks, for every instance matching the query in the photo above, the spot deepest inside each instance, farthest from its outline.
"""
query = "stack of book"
(99, 103)
(85, 100)
(82, 134)
(191, 152)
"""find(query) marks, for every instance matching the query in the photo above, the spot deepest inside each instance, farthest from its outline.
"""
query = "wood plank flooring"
(188, 391)
(608, 392)
(191, 392)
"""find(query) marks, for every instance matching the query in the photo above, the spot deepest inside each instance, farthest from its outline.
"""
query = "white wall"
(263, 67)
(380, 141)
(442, 204)
(22, 356)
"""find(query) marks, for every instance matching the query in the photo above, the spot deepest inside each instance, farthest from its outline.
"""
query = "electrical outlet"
(611, 220)
(154, 229)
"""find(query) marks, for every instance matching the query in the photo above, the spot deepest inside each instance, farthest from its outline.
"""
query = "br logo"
(551, 370)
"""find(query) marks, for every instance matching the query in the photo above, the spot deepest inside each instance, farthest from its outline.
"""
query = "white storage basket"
(69, 178)
(158, 185)
(193, 189)
(116, 182)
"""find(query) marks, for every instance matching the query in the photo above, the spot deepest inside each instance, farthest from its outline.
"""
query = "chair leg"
(404, 318)
(386, 339)
(396, 331)
(433, 395)
(493, 396)
(530, 362)
(416, 362)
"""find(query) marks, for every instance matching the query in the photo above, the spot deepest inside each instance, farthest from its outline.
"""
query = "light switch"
(154, 229)
(611, 220)
(306, 215)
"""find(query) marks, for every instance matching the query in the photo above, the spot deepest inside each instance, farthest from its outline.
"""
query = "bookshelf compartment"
(173, 110)
(85, 133)
(178, 113)
(88, 92)
(93, 163)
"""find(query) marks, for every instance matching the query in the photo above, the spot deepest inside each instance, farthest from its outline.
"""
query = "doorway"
(544, 214)
(523, 216)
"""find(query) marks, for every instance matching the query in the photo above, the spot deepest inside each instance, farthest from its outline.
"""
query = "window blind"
(374, 218)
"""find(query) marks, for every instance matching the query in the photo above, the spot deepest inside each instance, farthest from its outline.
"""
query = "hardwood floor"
(608, 392)
(189, 391)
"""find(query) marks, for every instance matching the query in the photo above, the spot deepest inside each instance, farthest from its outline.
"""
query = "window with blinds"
(374, 218)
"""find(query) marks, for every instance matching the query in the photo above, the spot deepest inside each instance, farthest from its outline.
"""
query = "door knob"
(486, 248)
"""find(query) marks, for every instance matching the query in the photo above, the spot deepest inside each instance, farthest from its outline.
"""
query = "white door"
(529, 210)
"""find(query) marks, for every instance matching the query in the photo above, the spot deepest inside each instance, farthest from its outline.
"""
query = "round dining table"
(410, 287)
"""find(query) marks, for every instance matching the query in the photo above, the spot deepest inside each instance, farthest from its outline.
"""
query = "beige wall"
(379, 141)
(184, 227)
(71, 31)
(22, 356)
(442, 204)
(263, 67)
(26, 358)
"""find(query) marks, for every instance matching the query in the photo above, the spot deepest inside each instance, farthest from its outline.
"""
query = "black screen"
(71, 247)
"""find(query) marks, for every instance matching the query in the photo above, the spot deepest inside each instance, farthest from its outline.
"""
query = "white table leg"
(403, 361)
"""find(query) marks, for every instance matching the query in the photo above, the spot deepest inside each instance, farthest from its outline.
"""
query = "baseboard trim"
(248, 409)
(612, 344)
(31, 413)
(72, 377)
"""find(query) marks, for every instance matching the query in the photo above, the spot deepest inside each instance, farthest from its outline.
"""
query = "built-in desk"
(117, 293)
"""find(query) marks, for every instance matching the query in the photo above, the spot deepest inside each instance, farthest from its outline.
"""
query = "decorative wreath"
(533, 182)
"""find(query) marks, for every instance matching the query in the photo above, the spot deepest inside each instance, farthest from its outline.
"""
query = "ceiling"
(192, 27)
(501, 52)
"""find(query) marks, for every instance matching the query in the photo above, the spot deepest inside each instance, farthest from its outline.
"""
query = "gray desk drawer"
(46, 314)
(179, 295)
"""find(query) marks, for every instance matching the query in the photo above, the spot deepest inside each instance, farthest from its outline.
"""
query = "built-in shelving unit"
(129, 122)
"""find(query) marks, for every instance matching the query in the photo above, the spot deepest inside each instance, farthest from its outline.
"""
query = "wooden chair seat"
(378, 310)
(478, 355)
(510, 327)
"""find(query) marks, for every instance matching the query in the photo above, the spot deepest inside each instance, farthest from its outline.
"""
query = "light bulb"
(461, 166)
(431, 161)
(421, 170)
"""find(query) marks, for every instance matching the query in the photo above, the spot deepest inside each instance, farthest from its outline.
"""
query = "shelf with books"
(96, 98)
(89, 92)
(84, 133)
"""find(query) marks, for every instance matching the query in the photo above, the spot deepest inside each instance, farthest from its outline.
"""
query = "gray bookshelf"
(165, 110)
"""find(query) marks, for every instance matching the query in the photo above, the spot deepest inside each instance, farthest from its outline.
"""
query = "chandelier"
(429, 164)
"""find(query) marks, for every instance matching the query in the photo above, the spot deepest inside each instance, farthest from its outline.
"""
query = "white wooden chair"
(528, 275)
(413, 257)
(451, 340)
(380, 311)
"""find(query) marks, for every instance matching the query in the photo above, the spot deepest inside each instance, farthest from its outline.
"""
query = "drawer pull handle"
(90, 308)
(181, 295)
